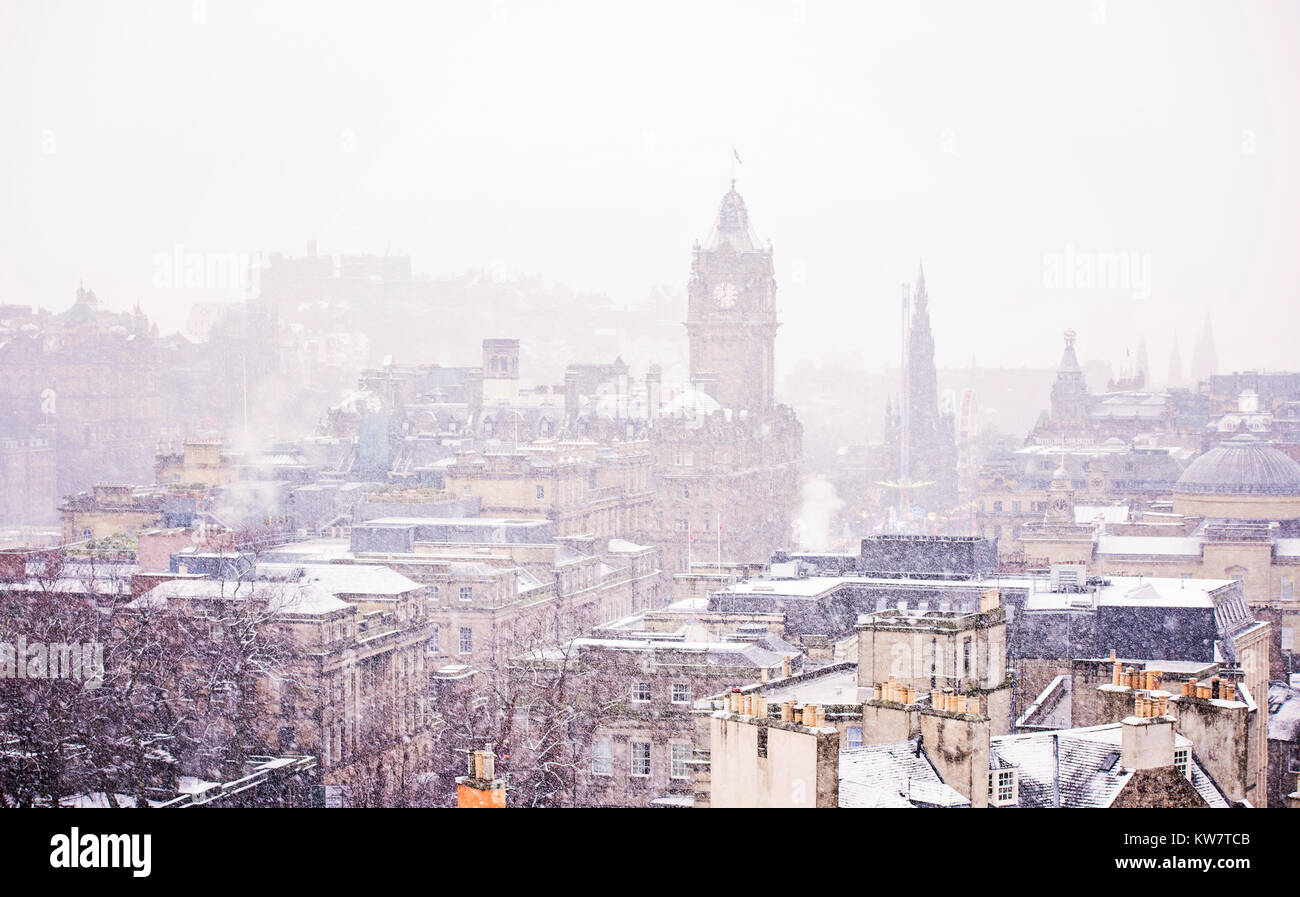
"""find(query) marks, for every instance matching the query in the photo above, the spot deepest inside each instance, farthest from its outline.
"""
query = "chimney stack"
(1147, 740)
(481, 789)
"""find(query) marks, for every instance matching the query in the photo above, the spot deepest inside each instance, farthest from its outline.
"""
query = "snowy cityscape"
(775, 405)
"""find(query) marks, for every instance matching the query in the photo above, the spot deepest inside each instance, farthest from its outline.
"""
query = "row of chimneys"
(811, 715)
(1151, 706)
(1147, 680)
(955, 703)
(1150, 680)
(893, 692)
(940, 699)
(747, 705)
(1217, 688)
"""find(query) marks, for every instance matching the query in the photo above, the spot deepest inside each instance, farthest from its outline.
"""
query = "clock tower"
(731, 318)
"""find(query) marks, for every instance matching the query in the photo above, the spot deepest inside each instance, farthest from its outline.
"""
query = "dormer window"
(1004, 787)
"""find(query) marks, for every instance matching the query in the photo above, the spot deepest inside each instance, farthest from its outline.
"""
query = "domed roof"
(1242, 465)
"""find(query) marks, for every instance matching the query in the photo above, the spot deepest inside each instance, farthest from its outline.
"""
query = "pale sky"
(590, 143)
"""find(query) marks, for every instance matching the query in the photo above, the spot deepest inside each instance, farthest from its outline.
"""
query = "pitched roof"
(893, 775)
(1081, 767)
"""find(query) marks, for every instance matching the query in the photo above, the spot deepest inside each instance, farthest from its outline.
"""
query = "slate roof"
(893, 775)
(1083, 765)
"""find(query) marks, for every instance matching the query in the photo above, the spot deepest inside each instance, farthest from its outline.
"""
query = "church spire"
(1205, 363)
(1175, 378)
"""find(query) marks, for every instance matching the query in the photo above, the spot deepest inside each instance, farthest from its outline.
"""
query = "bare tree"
(538, 704)
(181, 685)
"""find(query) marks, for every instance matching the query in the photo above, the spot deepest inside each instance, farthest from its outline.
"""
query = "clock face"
(725, 294)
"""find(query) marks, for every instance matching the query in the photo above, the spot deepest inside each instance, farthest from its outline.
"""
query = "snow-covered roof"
(1081, 767)
(690, 403)
(893, 775)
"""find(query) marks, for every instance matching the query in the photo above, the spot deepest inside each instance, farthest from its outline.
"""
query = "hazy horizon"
(591, 145)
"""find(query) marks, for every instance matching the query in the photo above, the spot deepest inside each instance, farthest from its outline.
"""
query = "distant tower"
(927, 435)
(1070, 391)
(1143, 366)
(731, 320)
(1175, 378)
(1205, 364)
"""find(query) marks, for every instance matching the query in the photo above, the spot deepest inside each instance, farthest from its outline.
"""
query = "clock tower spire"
(731, 317)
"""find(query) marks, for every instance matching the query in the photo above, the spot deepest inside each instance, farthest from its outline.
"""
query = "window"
(855, 736)
(433, 641)
(466, 640)
(466, 593)
(1002, 787)
(641, 692)
(680, 754)
(602, 759)
(641, 758)
(1181, 763)
(681, 693)
(541, 492)
(1015, 507)
(468, 488)
(997, 507)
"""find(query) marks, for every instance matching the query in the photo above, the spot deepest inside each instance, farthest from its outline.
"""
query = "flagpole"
(719, 541)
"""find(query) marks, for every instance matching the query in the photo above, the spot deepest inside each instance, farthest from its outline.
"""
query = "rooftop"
(1242, 465)
(893, 775)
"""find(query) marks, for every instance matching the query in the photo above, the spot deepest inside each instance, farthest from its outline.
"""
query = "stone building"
(726, 455)
(583, 487)
(1110, 481)
(28, 468)
(935, 749)
(1234, 513)
(640, 753)
(355, 693)
(89, 377)
(501, 585)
